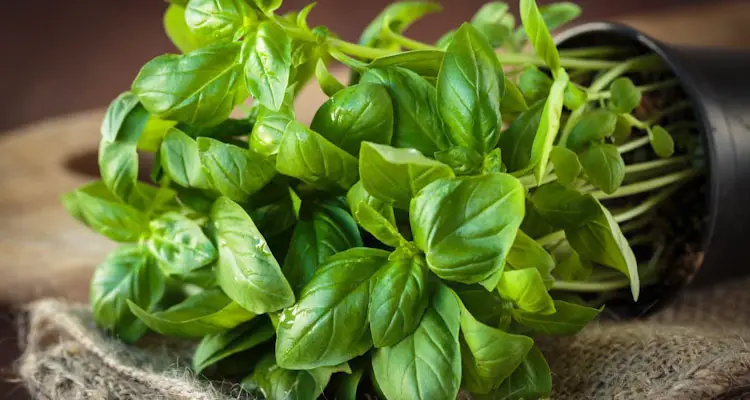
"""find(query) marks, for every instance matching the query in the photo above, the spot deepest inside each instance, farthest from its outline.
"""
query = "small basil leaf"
(427, 363)
(201, 314)
(179, 244)
(527, 253)
(330, 230)
(398, 299)
(328, 83)
(492, 354)
(232, 171)
(592, 127)
(246, 270)
(513, 100)
(526, 288)
(494, 22)
(153, 134)
(601, 240)
(566, 163)
(273, 382)
(326, 314)
(625, 96)
(269, 64)
(124, 120)
(374, 215)
(462, 160)
(534, 84)
(554, 16)
(568, 319)
(564, 208)
(268, 6)
(661, 141)
(359, 113)
(574, 97)
(531, 380)
(622, 130)
(397, 175)
(306, 155)
(548, 126)
(572, 268)
(118, 166)
(423, 62)
(268, 130)
(200, 88)
(127, 274)
(399, 16)
(347, 385)
(180, 159)
(467, 225)
(218, 346)
(469, 88)
(604, 166)
(516, 141)
(178, 31)
(540, 38)
(217, 20)
(417, 122)
(117, 221)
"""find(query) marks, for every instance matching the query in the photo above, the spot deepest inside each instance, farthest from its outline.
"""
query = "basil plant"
(446, 206)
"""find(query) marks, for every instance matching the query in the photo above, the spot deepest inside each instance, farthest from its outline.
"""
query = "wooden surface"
(47, 253)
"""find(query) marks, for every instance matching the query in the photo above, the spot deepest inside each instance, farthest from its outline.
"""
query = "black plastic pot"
(717, 82)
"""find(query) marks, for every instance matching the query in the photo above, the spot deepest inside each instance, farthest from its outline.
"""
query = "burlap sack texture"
(694, 349)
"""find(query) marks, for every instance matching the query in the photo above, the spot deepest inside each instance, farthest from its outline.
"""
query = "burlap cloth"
(695, 349)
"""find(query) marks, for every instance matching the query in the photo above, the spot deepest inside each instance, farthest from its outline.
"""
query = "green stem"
(645, 206)
(360, 51)
(643, 125)
(655, 164)
(591, 287)
(636, 224)
(633, 144)
(594, 51)
(649, 185)
(641, 239)
(643, 89)
(681, 106)
(646, 61)
(408, 43)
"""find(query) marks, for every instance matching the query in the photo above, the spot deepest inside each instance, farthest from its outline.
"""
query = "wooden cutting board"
(44, 252)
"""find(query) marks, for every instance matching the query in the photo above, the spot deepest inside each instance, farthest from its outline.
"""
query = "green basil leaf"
(463, 161)
(566, 163)
(548, 126)
(117, 221)
(201, 314)
(268, 6)
(328, 83)
(330, 230)
(417, 122)
(540, 38)
(127, 274)
(218, 346)
(217, 20)
(592, 127)
(246, 270)
(201, 277)
(180, 159)
(661, 141)
(554, 16)
(425, 63)
(513, 100)
(563, 207)
(200, 88)
(273, 382)
(445, 40)
(305, 58)
(118, 166)
(531, 380)
(347, 385)
(399, 297)
(625, 96)
(326, 314)
(601, 240)
(533, 223)
(308, 156)
(604, 166)
(467, 225)
(124, 120)
(269, 64)
(95, 188)
(517, 141)
(179, 244)
(534, 84)
(572, 268)
(527, 253)
(568, 319)
(178, 31)
(268, 130)
(374, 215)
(397, 175)
(494, 22)
(399, 16)
(492, 354)
(153, 134)
(574, 97)
(622, 130)
(232, 171)
(485, 306)
(427, 363)
(276, 217)
(526, 288)
(469, 88)
(359, 113)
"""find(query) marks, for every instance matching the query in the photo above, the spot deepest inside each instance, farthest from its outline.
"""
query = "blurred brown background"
(60, 57)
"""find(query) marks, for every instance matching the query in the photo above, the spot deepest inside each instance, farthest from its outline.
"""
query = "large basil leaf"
(425, 365)
(531, 380)
(567, 320)
(359, 113)
(246, 270)
(492, 354)
(562, 207)
(177, 30)
(217, 20)
(180, 158)
(117, 221)
(549, 125)
(467, 225)
(273, 382)
(374, 215)
(539, 36)
(179, 244)
(526, 288)
(269, 64)
(268, 130)
(328, 324)
(397, 175)
(469, 89)
(311, 158)
(592, 127)
(216, 347)
(601, 240)
(127, 274)
(399, 16)
(517, 141)
(201, 314)
(399, 297)
(198, 88)
(330, 230)
(417, 122)
(232, 171)
(604, 167)
(527, 253)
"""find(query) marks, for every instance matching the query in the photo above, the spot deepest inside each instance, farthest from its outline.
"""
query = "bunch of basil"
(405, 233)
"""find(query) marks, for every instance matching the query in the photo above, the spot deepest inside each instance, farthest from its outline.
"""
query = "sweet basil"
(269, 64)
(179, 244)
(232, 171)
(216, 347)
